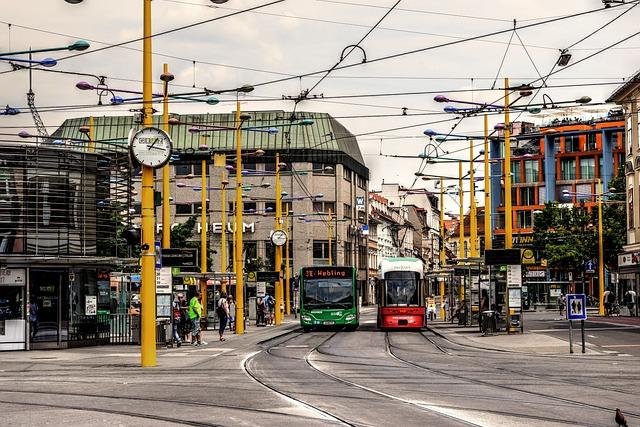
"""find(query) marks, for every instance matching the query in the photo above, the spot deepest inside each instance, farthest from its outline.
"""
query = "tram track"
(500, 386)
(471, 360)
(288, 396)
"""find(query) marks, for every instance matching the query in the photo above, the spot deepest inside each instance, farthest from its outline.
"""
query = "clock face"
(151, 147)
(279, 238)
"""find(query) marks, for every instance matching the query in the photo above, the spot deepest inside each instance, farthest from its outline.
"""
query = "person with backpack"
(269, 306)
(177, 319)
(222, 310)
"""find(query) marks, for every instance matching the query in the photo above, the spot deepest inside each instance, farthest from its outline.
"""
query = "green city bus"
(328, 297)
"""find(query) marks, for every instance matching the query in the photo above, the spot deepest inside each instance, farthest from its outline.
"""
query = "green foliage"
(110, 242)
(568, 237)
(256, 264)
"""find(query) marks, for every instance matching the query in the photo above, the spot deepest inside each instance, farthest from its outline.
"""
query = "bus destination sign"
(328, 272)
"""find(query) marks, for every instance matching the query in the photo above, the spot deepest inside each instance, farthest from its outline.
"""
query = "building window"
(271, 207)
(347, 211)
(347, 253)
(587, 168)
(630, 209)
(361, 182)
(321, 169)
(542, 194)
(185, 170)
(568, 169)
(270, 167)
(249, 207)
(571, 143)
(560, 196)
(321, 252)
(515, 172)
(531, 171)
(184, 209)
(527, 196)
(346, 173)
(324, 207)
(556, 144)
(524, 219)
(591, 142)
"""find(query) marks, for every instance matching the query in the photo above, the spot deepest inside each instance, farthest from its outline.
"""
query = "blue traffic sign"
(576, 306)
(589, 267)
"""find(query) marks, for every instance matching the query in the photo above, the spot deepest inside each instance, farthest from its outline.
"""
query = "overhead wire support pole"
(461, 254)
(487, 192)
(203, 236)
(148, 273)
(238, 244)
(599, 196)
(278, 290)
(473, 219)
(166, 208)
(287, 292)
(508, 214)
(443, 258)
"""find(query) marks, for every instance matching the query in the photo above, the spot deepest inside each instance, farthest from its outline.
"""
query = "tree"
(568, 236)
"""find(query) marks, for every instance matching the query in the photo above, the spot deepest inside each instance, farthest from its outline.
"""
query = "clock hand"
(153, 143)
(151, 147)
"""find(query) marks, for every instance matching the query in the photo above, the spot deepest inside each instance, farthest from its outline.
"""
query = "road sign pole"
(582, 332)
(571, 336)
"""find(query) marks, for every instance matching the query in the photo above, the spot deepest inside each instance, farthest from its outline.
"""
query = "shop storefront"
(12, 308)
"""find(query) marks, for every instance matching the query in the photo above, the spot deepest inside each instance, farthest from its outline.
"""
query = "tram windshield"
(328, 293)
(401, 288)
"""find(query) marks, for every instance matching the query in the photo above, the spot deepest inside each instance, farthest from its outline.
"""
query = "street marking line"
(296, 346)
(620, 345)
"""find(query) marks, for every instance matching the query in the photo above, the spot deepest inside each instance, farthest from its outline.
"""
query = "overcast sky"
(295, 37)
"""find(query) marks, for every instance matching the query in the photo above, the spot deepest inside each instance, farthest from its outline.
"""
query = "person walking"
(195, 314)
(269, 306)
(607, 302)
(232, 314)
(631, 300)
(260, 310)
(561, 304)
(177, 319)
(223, 313)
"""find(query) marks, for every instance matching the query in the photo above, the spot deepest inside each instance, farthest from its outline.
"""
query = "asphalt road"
(364, 378)
(615, 336)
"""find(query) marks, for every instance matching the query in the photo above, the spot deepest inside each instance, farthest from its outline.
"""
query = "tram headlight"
(350, 317)
(306, 318)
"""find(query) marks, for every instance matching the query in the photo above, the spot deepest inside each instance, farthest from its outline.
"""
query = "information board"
(576, 307)
(515, 298)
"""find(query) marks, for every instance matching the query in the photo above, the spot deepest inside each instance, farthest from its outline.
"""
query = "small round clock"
(279, 238)
(151, 147)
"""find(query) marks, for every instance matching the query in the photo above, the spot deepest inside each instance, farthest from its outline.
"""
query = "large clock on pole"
(151, 147)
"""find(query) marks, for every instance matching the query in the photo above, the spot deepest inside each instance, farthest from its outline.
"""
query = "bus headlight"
(306, 318)
(350, 317)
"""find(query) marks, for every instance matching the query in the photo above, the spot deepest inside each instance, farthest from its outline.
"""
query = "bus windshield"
(401, 288)
(328, 293)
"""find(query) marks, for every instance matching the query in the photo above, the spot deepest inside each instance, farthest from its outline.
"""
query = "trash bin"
(488, 322)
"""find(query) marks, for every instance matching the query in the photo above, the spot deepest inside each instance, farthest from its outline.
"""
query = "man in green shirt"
(195, 313)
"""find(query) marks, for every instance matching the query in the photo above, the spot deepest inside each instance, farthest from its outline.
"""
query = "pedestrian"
(269, 305)
(185, 321)
(177, 319)
(33, 319)
(232, 313)
(195, 314)
(260, 312)
(445, 309)
(431, 308)
(607, 302)
(631, 300)
(561, 304)
(223, 313)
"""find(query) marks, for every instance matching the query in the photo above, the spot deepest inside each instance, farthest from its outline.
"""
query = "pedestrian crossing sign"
(576, 307)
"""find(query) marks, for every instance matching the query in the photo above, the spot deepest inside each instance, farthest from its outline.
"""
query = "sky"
(295, 37)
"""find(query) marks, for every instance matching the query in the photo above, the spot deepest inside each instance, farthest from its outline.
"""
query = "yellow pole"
(279, 299)
(330, 235)
(461, 229)
(92, 134)
(600, 250)
(287, 269)
(442, 312)
(203, 237)
(166, 208)
(508, 214)
(148, 272)
(487, 191)
(238, 244)
(461, 222)
(443, 255)
(473, 220)
(223, 238)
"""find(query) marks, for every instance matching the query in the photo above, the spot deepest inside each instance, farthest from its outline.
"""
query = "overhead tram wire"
(354, 47)
(452, 43)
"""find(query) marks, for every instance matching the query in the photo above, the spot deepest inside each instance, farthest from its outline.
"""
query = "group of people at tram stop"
(187, 317)
(265, 310)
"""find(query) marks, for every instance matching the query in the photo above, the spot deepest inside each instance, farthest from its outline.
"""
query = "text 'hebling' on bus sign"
(327, 272)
